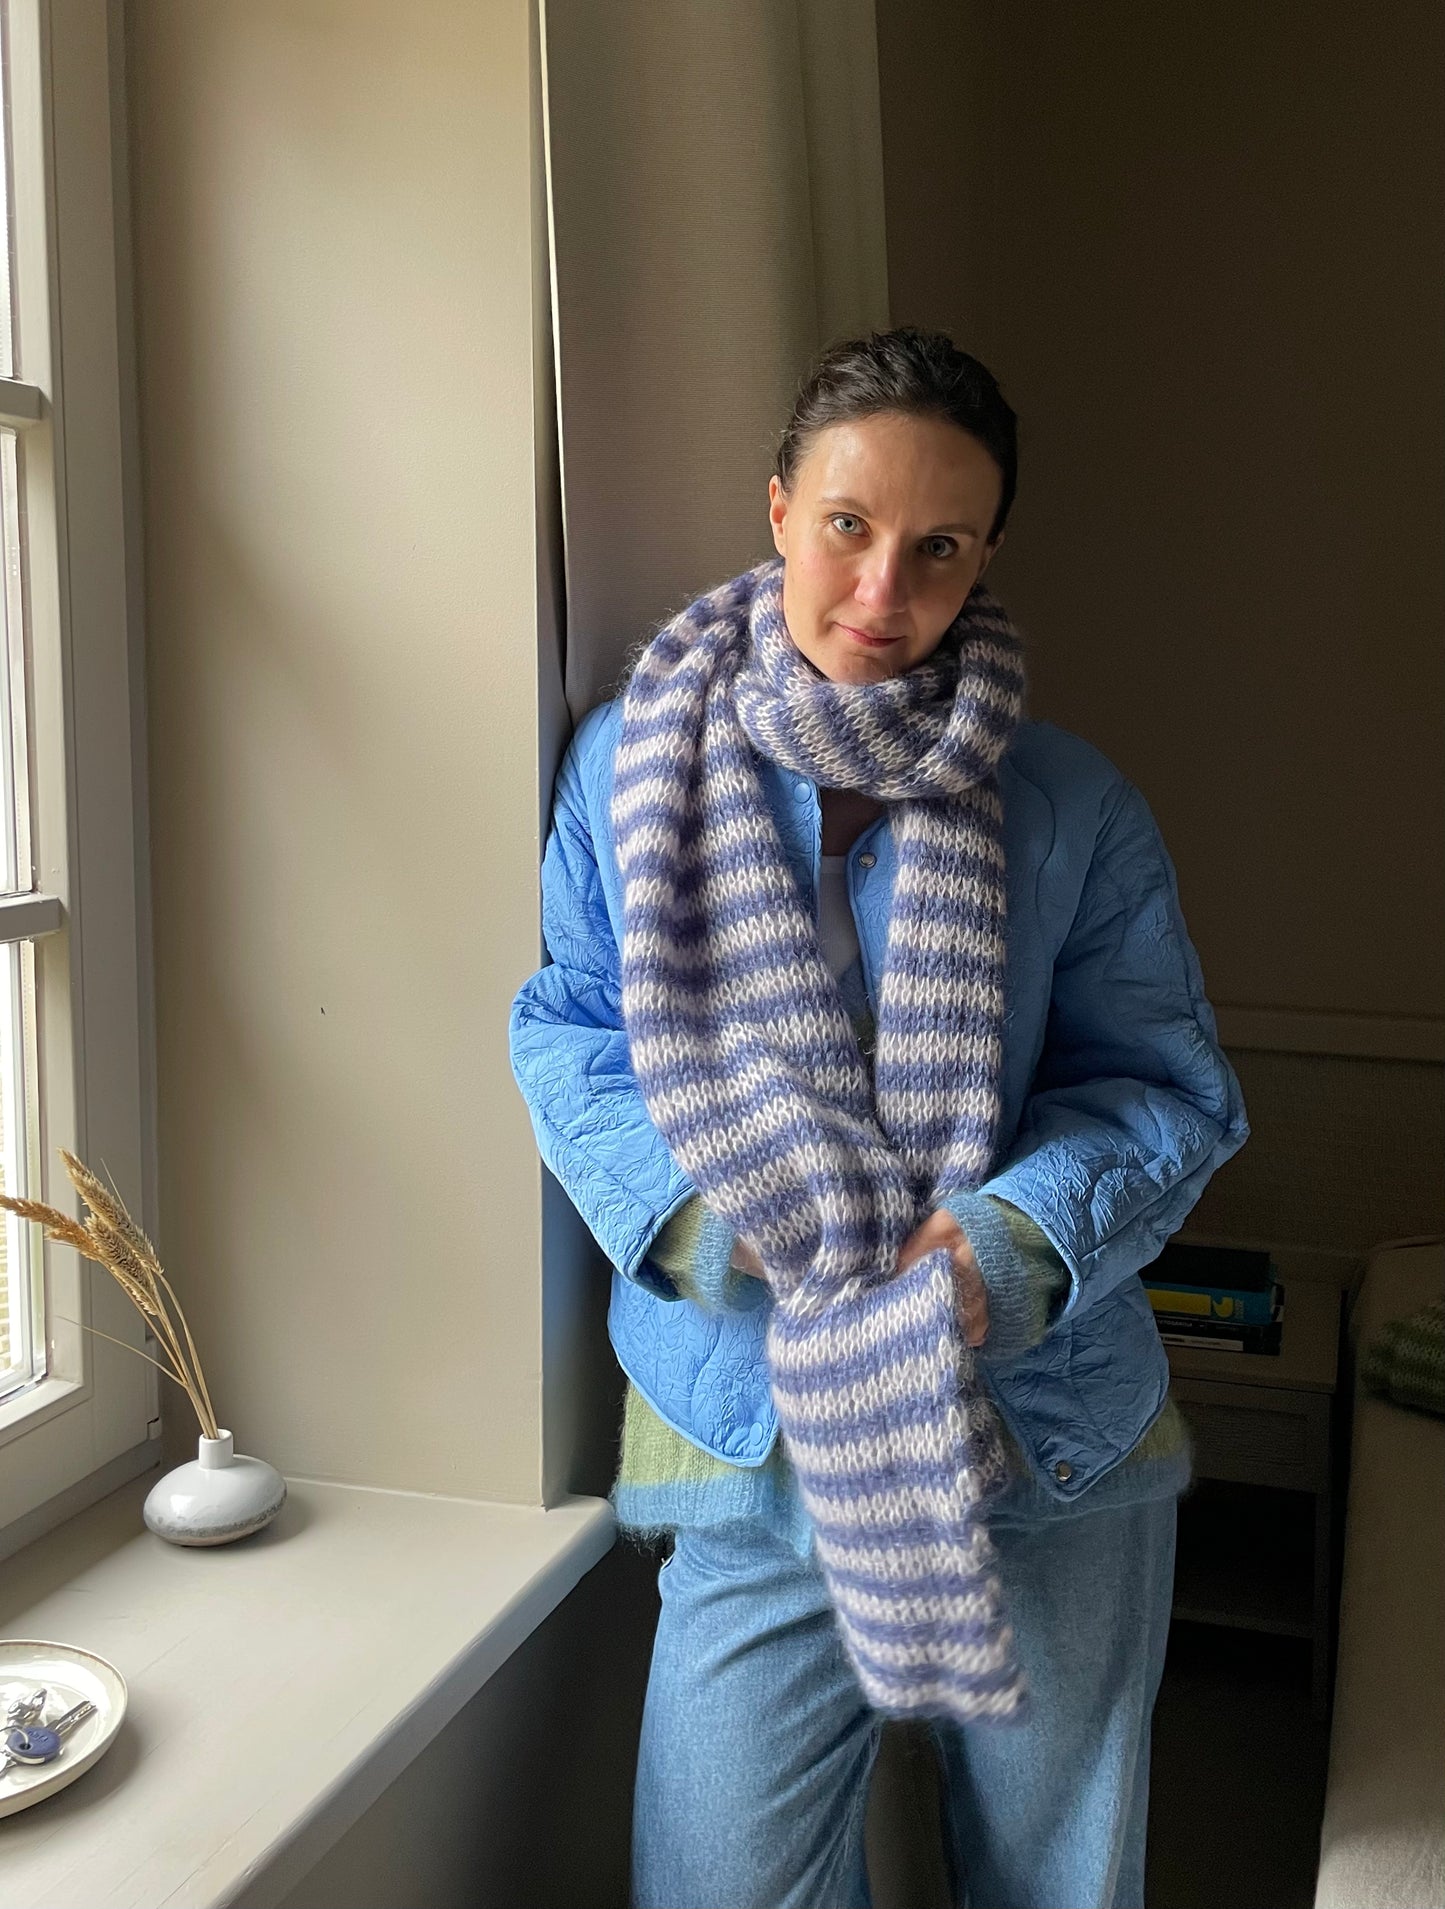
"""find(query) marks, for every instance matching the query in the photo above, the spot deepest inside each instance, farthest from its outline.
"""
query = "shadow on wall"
(525, 1798)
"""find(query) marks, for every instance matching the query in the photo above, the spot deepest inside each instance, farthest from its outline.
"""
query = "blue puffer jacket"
(1117, 1102)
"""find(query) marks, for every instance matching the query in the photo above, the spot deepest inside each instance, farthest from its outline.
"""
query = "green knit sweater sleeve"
(1023, 1275)
(694, 1248)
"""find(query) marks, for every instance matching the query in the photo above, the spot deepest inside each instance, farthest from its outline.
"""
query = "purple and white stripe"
(749, 1066)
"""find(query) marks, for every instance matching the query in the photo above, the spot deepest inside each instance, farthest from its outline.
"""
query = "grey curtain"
(715, 189)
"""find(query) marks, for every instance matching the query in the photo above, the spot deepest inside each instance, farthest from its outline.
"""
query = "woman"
(875, 1054)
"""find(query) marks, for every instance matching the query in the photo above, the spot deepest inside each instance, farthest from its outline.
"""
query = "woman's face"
(884, 533)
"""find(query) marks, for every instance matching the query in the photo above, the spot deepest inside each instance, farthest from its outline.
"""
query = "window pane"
(15, 870)
(7, 279)
(21, 1341)
(22, 1350)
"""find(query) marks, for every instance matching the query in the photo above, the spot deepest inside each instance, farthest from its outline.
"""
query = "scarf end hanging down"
(896, 1450)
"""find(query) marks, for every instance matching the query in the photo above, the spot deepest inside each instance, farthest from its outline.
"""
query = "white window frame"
(93, 1419)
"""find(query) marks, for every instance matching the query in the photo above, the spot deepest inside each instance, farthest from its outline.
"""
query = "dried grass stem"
(112, 1239)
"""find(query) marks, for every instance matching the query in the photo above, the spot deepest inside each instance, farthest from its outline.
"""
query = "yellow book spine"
(1200, 1304)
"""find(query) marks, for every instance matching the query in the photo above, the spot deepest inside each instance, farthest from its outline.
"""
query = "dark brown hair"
(923, 374)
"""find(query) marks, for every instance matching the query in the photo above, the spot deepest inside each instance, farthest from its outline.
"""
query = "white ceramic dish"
(70, 1675)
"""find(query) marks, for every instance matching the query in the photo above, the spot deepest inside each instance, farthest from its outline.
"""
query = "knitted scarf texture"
(750, 1069)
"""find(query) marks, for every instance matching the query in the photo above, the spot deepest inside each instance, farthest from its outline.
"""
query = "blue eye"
(846, 523)
(939, 546)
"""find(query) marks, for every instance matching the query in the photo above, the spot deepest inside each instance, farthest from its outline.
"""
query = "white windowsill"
(277, 1686)
(35, 1404)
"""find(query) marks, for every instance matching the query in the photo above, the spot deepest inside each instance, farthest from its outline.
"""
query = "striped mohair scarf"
(750, 1069)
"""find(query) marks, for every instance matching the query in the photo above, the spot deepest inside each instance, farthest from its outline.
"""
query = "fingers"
(972, 1302)
(972, 1295)
(941, 1229)
(745, 1260)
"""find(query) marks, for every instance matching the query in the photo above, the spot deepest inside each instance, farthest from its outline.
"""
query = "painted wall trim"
(1386, 1037)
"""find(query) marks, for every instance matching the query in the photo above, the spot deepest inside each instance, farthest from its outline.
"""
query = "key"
(27, 1709)
(39, 1743)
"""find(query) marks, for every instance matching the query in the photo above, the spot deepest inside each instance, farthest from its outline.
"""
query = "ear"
(777, 515)
(990, 552)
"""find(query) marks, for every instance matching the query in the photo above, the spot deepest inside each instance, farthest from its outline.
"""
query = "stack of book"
(1216, 1298)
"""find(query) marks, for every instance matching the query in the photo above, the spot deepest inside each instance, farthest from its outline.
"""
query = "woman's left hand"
(942, 1229)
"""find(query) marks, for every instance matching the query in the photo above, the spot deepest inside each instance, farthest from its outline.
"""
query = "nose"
(881, 585)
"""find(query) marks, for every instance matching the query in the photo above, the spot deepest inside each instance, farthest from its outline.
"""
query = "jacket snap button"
(801, 790)
(1063, 1471)
(867, 860)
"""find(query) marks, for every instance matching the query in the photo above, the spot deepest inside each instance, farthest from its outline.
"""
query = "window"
(22, 1341)
(75, 1407)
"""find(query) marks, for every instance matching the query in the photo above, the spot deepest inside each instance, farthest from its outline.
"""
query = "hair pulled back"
(921, 374)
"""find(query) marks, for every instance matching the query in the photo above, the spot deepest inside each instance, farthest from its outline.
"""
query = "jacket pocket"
(1082, 1399)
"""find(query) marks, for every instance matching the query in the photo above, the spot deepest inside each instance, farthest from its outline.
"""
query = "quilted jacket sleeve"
(1133, 1105)
(570, 1058)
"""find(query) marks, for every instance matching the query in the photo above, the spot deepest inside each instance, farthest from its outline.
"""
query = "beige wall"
(717, 201)
(1201, 248)
(1343, 1154)
(336, 253)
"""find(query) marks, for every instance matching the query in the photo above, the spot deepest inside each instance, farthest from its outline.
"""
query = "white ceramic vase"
(218, 1496)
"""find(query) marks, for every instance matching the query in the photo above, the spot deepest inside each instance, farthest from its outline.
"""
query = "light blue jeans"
(757, 1744)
